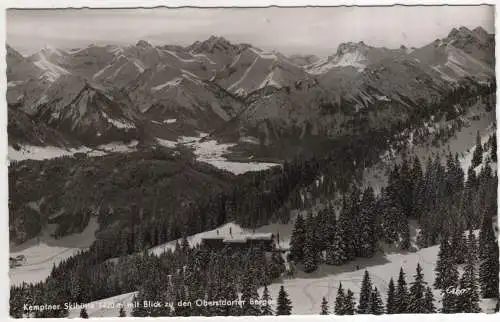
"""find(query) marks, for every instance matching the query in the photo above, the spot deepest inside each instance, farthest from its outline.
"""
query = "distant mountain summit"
(210, 83)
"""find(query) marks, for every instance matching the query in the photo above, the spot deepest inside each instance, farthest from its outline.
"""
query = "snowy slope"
(43, 252)
(109, 307)
(466, 159)
(255, 69)
(307, 290)
(463, 143)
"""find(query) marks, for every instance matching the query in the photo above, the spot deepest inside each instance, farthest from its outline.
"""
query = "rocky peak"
(350, 47)
(213, 43)
(13, 54)
(51, 51)
(143, 44)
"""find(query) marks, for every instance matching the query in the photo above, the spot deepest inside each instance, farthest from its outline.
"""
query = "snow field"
(44, 252)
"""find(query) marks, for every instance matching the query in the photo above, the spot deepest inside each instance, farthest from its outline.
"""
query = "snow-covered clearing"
(213, 153)
(166, 143)
(210, 152)
(31, 152)
(43, 252)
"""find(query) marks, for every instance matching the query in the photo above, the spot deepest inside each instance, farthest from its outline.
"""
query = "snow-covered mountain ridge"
(211, 82)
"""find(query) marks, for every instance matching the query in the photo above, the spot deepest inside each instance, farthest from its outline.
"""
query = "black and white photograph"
(251, 161)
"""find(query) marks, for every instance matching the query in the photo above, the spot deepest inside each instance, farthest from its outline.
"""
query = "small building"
(241, 241)
(213, 242)
(264, 241)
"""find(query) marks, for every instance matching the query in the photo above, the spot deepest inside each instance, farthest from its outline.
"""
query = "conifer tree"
(297, 240)
(284, 305)
(83, 313)
(336, 252)
(324, 307)
(367, 237)
(494, 148)
(339, 301)
(346, 224)
(468, 301)
(446, 270)
(449, 300)
(365, 295)
(401, 301)
(249, 293)
(353, 212)
(472, 247)
(391, 298)
(376, 304)
(429, 301)
(310, 248)
(122, 312)
(459, 247)
(390, 219)
(477, 156)
(138, 309)
(266, 299)
(489, 265)
(349, 306)
(417, 293)
(405, 234)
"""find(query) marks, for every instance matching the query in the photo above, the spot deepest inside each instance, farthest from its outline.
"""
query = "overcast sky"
(288, 30)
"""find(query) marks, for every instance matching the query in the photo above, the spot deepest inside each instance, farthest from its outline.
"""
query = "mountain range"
(235, 92)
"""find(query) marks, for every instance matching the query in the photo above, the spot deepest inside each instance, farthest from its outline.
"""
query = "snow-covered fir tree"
(349, 306)
(446, 267)
(310, 248)
(468, 301)
(266, 299)
(416, 302)
(391, 307)
(339, 301)
(376, 303)
(367, 229)
(365, 295)
(298, 240)
(401, 298)
(249, 294)
(83, 313)
(477, 156)
(488, 257)
(450, 298)
(325, 310)
(284, 305)
(429, 301)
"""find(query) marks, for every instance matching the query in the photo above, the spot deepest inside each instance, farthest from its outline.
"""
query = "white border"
(200, 3)
(225, 3)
